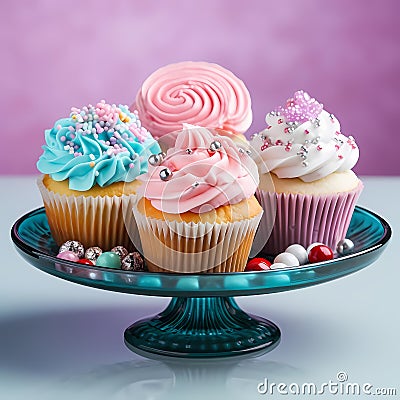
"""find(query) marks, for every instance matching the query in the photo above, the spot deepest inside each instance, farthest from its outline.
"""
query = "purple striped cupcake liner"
(305, 219)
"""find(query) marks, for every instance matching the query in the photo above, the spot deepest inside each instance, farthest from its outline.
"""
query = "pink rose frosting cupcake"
(198, 212)
(198, 93)
(305, 167)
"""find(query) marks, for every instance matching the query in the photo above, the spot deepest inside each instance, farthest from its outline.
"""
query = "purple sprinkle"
(301, 108)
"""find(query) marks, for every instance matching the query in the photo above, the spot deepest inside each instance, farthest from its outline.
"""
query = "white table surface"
(63, 340)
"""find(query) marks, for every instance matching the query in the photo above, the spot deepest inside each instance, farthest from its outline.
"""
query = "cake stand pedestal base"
(202, 327)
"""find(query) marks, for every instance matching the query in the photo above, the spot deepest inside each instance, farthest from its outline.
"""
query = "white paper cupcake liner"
(104, 221)
(306, 219)
(182, 247)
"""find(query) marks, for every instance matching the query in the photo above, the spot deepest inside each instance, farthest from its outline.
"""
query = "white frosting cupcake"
(305, 165)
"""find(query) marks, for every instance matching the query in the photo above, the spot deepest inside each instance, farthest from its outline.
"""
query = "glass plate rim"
(30, 250)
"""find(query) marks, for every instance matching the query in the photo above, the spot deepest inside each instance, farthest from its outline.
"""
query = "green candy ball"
(109, 259)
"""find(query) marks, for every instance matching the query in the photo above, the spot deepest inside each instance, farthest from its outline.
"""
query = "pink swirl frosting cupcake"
(198, 212)
(198, 93)
(202, 179)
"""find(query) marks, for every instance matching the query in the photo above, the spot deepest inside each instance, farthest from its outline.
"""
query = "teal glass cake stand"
(202, 320)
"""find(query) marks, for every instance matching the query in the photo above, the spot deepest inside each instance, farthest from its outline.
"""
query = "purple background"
(62, 54)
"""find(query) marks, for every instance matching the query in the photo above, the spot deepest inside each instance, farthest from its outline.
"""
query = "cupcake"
(305, 167)
(197, 93)
(198, 212)
(90, 164)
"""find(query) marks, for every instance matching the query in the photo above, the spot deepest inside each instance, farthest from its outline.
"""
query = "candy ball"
(120, 250)
(278, 265)
(85, 261)
(68, 255)
(133, 262)
(92, 253)
(320, 253)
(344, 246)
(288, 259)
(109, 260)
(257, 264)
(299, 252)
(312, 245)
(74, 246)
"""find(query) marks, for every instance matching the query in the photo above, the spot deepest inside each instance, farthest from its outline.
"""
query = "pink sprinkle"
(99, 129)
(85, 117)
(72, 136)
(131, 165)
(306, 131)
(319, 148)
(337, 147)
(278, 143)
(337, 133)
(280, 121)
(58, 127)
(340, 156)
(301, 108)
(63, 138)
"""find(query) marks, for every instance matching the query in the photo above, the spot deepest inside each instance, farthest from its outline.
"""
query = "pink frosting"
(201, 180)
(198, 93)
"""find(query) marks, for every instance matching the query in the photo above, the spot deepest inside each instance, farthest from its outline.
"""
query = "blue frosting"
(97, 145)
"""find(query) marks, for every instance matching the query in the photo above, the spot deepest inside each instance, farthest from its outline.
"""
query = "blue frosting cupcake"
(90, 164)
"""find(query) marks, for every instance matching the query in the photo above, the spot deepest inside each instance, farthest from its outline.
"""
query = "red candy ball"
(319, 253)
(85, 261)
(257, 264)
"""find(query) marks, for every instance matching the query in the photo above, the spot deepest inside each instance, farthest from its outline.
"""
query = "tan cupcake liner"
(181, 247)
(102, 221)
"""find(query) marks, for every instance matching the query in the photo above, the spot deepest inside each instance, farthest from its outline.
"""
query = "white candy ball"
(287, 258)
(312, 245)
(278, 266)
(299, 252)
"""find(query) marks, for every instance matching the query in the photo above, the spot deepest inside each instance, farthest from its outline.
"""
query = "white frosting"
(304, 151)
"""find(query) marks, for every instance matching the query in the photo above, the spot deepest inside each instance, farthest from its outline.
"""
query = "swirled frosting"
(304, 141)
(202, 179)
(99, 144)
(198, 93)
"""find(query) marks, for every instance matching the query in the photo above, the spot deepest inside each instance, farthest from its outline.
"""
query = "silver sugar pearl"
(304, 164)
(344, 246)
(120, 250)
(241, 150)
(133, 262)
(155, 160)
(195, 184)
(189, 151)
(316, 140)
(165, 174)
(215, 146)
(93, 253)
(248, 152)
(74, 246)
(162, 155)
(316, 122)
